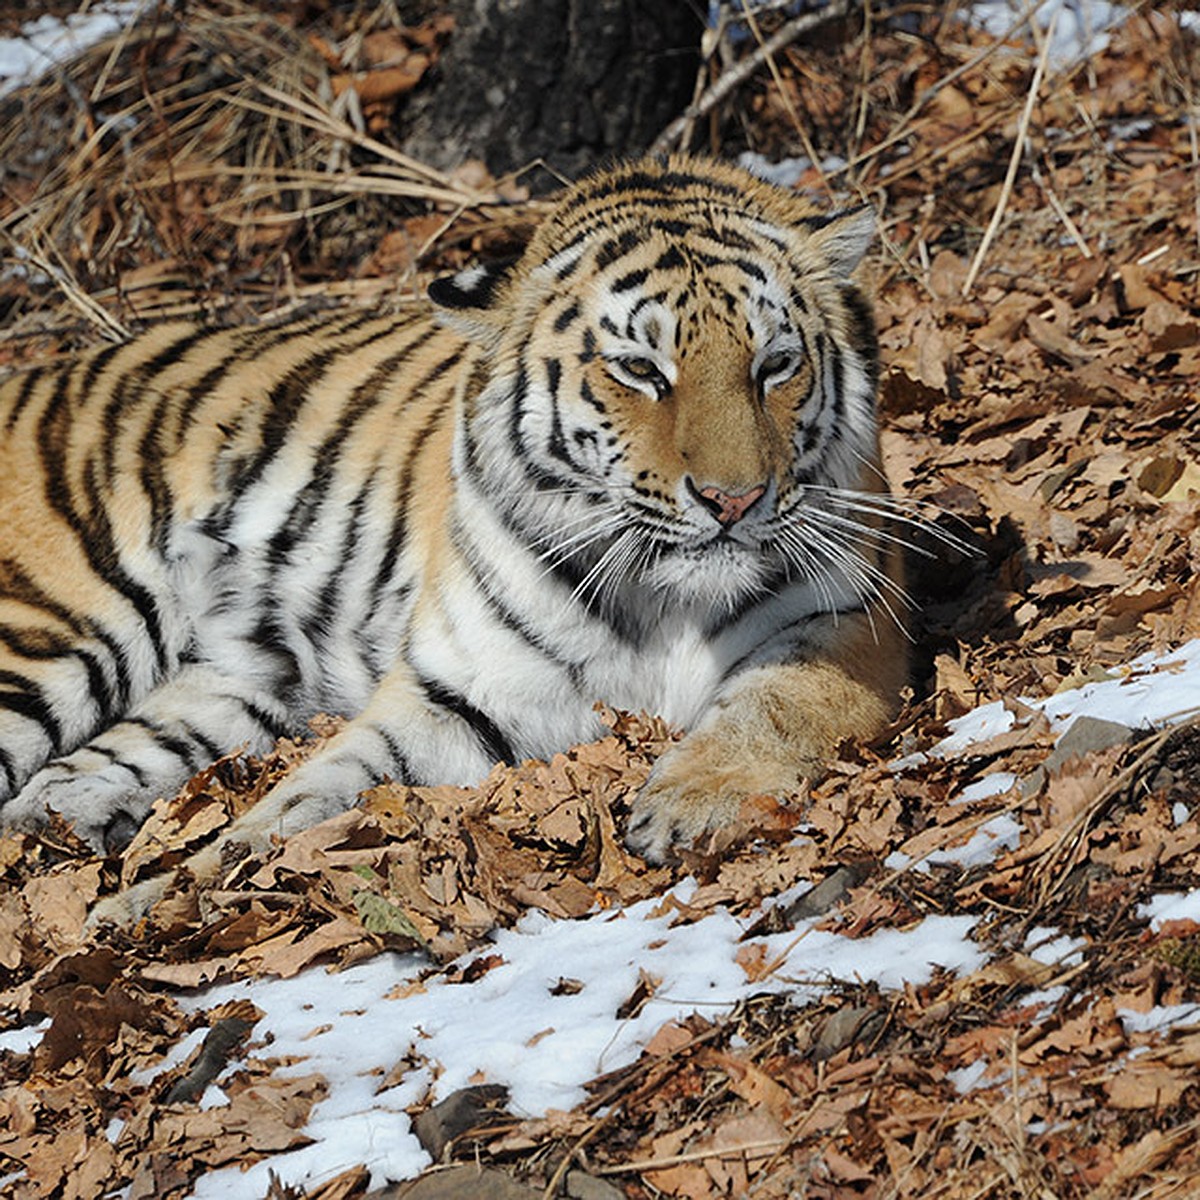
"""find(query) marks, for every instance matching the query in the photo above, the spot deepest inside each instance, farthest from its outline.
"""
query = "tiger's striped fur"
(639, 465)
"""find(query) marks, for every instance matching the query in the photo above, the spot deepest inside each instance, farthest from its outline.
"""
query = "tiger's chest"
(546, 702)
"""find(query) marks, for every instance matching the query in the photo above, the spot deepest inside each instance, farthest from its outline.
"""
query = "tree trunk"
(567, 81)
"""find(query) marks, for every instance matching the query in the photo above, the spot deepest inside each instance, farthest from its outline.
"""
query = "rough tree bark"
(567, 81)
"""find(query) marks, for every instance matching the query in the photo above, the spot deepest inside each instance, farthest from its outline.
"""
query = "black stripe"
(366, 396)
(50, 646)
(617, 247)
(589, 397)
(401, 772)
(497, 604)
(838, 399)
(211, 750)
(261, 717)
(94, 533)
(131, 387)
(398, 532)
(670, 259)
(486, 732)
(630, 280)
(750, 268)
(564, 319)
(284, 402)
(10, 772)
(18, 585)
(155, 480)
(287, 398)
(516, 399)
(270, 635)
(863, 334)
(618, 184)
(377, 655)
(25, 393)
(251, 344)
(542, 479)
(316, 624)
(181, 749)
(29, 702)
(557, 446)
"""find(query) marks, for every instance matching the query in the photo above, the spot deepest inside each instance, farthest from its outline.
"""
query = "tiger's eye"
(637, 370)
(774, 364)
(641, 368)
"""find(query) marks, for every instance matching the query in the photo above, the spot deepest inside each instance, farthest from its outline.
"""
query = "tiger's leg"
(68, 667)
(775, 726)
(108, 785)
(401, 734)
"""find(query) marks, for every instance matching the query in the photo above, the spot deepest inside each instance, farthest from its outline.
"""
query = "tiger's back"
(640, 466)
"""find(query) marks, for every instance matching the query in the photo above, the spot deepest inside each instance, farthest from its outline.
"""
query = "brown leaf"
(1140, 1084)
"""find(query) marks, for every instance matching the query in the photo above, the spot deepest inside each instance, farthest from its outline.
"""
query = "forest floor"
(1040, 330)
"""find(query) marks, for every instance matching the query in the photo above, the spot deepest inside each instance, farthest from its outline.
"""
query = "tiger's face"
(675, 403)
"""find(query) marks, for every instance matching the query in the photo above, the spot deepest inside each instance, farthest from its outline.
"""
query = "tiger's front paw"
(97, 804)
(699, 786)
(127, 907)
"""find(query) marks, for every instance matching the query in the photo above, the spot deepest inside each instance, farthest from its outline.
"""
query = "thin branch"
(732, 79)
(1014, 162)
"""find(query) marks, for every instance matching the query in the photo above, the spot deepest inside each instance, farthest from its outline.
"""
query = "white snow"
(995, 784)
(1150, 691)
(49, 41)
(967, 1079)
(510, 1028)
(1182, 906)
(1080, 26)
(1048, 946)
(1161, 1017)
(22, 1040)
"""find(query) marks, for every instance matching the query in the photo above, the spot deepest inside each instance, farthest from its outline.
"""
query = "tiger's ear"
(842, 238)
(470, 300)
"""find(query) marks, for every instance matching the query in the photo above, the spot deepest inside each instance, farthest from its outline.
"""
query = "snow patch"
(49, 41)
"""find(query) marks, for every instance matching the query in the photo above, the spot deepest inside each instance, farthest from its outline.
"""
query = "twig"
(809, 149)
(1020, 21)
(1061, 213)
(1014, 162)
(1194, 141)
(710, 43)
(899, 133)
(39, 255)
(601, 1123)
(1061, 858)
(315, 117)
(732, 79)
(672, 1160)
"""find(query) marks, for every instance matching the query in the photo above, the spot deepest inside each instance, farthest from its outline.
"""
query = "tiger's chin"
(720, 576)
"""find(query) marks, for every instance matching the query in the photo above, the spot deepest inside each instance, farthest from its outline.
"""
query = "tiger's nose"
(726, 508)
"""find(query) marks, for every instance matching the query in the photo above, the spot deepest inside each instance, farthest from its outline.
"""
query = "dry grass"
(209, 166)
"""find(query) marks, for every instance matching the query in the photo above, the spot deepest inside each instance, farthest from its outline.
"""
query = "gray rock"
(1085, 735)
(468, 1108)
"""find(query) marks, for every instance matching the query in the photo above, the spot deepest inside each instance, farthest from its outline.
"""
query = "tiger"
(638, 465)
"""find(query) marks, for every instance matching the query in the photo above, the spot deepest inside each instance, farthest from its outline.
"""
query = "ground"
(1038, 276)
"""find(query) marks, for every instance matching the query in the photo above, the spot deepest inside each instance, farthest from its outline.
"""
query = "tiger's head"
(675, 387)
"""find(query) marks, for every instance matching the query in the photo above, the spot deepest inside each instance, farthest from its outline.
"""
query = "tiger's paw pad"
(668, 814)
(680, 803)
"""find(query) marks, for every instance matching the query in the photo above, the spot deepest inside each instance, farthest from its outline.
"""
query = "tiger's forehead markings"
(626, 223)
